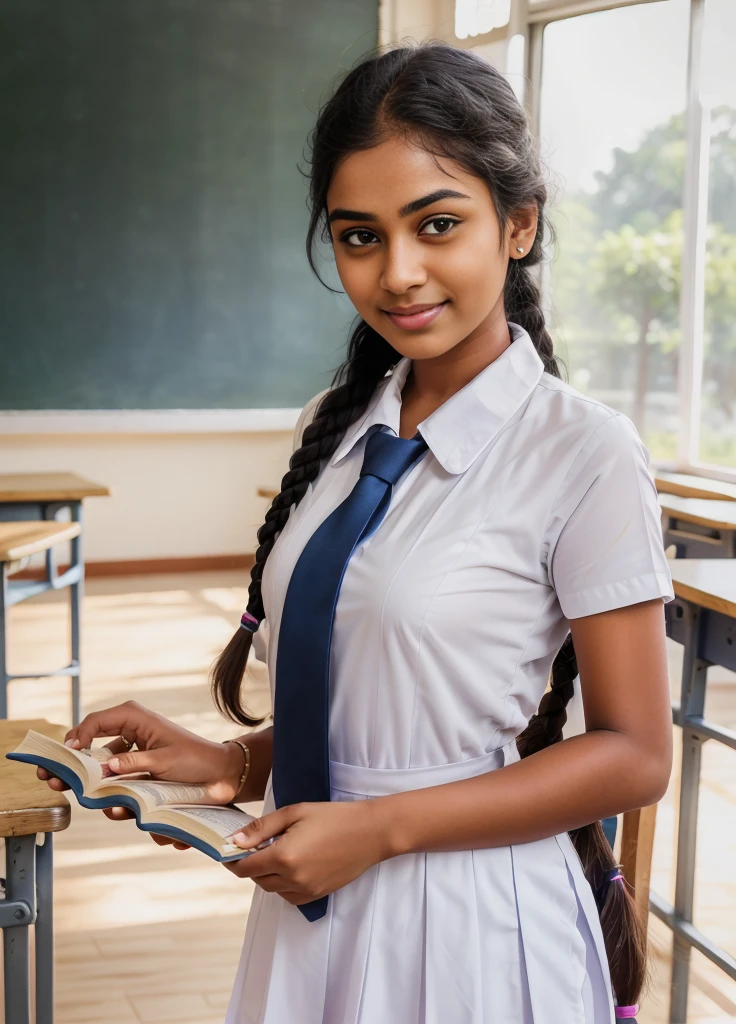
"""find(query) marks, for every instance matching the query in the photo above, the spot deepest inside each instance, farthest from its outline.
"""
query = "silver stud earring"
(519, 249)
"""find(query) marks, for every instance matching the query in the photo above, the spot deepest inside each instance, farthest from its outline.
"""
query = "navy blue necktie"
(301, 760)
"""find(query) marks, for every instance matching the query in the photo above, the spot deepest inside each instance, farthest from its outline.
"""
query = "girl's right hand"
(166, 750)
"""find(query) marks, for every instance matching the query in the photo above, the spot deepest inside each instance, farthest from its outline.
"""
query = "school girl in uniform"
(455, 871)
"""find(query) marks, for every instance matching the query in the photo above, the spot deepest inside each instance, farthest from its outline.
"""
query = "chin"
(420, 347)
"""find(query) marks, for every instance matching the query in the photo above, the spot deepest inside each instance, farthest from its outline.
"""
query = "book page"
(223, 821)
(97, 769)
(152, 793)
(87, 764)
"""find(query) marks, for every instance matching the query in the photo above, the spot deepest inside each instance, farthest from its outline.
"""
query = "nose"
(402, 267)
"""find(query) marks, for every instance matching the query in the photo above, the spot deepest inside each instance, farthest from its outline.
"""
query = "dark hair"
(460, 107)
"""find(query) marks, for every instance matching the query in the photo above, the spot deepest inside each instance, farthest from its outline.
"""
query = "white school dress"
(533, 505)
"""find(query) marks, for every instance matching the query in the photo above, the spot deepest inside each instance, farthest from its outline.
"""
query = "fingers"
(54, 783)
(117, 813)
(130, 719)
(272, 883)
(267, 827)
(153, 761)
(118, 746)
(272, 859)
(167, 841)
(269, 883)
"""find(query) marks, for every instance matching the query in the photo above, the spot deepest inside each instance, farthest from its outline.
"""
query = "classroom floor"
(147, 934)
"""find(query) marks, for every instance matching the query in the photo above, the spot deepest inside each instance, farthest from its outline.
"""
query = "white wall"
(173, 495)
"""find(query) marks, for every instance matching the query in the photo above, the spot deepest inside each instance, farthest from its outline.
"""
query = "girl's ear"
(522, 230)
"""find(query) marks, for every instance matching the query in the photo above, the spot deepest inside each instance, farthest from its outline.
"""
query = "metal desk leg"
(45, 931)
(75, 598)
(3, 640)
(20, 887)
(692, 702)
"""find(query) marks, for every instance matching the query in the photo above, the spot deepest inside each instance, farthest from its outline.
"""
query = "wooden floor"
(147, 934)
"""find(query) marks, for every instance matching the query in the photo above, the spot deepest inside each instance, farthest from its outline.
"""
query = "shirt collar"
(459, 429)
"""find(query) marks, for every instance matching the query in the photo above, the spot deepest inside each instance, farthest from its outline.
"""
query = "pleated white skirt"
(509, 934)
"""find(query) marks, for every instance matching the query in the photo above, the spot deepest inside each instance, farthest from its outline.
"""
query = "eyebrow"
(405, 211)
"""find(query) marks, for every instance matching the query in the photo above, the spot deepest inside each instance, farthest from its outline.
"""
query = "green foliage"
(637, 276)
(616, 284)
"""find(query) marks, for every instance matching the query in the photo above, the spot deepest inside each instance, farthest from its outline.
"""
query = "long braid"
(523, 302)
(369, 357)
(624, 932)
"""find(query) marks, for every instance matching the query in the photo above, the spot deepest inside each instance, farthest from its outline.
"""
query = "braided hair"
(460, 107)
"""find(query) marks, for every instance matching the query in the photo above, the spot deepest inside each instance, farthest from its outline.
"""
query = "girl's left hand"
(323, 847)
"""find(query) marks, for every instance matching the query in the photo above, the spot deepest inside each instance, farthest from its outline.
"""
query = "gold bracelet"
(246, 769)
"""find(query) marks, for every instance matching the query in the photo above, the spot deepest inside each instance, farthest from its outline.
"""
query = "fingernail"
(71, 743)
(239, 837)
(114, 763)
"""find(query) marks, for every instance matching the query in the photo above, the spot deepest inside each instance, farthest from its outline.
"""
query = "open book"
(173, 809)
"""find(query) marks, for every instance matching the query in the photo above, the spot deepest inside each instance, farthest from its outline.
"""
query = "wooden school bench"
(28, 807)
(17, 541)
(699, 527)
(703, 619)
(686, 485)
(42, 496)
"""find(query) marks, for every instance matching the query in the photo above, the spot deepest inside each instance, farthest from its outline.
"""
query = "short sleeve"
(605, 547)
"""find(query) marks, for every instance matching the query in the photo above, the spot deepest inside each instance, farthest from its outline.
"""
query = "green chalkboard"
(153, 216)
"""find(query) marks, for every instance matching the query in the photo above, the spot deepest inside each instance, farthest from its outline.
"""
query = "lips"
(412, 318)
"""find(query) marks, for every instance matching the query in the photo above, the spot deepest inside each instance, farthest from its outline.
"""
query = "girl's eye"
(366, 237)
(442, 225)
(361, 238)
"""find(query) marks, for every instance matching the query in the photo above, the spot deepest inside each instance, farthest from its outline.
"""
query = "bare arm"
(260, 745)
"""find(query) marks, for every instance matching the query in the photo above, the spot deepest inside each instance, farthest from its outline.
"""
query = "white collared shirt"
(534, 505)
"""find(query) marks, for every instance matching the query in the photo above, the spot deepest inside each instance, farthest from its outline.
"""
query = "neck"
(431, 382)
(437, 379)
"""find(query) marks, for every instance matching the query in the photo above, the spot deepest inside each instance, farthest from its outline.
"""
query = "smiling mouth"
(415, 317)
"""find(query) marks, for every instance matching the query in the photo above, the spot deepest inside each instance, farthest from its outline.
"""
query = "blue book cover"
(177, 810)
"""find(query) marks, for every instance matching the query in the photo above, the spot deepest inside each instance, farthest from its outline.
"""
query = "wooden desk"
(699, 527)
(30, 497)
(17, 540)
(27, 807)
(702, 618)
(49, 488)
(709, 583)
(688, 486)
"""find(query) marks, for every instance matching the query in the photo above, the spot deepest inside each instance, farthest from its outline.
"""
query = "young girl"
(455, 871)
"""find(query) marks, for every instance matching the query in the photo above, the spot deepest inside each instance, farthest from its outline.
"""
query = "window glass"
(718, 399)
(613, 135)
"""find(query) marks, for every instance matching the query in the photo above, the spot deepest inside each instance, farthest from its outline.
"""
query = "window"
(718, 97)
(640, 290)
(612, 129)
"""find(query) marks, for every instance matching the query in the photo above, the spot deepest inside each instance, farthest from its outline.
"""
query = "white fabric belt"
(367, 782)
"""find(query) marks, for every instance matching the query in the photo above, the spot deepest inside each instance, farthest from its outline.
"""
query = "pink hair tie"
(617, 878)
(627, 1011)
(249, 622)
